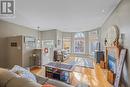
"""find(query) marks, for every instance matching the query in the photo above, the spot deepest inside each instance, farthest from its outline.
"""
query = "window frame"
(78, 40)
(70, 38)
(93, 37)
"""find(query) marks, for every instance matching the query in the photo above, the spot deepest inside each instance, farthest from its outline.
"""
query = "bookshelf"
(54, 72)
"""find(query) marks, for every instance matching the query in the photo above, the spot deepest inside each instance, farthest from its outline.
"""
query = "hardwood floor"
(96, 77)
(85, 76)
(93, 77)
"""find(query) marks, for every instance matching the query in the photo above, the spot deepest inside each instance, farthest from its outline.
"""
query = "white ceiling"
(64, 15)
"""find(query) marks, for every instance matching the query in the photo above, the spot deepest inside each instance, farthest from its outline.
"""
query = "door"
(14, 51)
(48, 46)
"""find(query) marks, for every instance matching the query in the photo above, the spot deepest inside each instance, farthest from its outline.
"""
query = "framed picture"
(120, 67)
(13, 44)
(30, 42)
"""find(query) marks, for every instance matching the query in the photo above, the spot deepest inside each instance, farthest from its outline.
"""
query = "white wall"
(49, 35)
(59, 38)
(121, 18)
(52, 35)
(9, 29)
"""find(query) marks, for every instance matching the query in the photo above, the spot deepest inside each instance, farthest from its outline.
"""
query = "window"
(79, 43)
(93, 41)
(67, 44)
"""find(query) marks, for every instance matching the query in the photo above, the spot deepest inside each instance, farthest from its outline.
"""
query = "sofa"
(61, 55)
(8, 78)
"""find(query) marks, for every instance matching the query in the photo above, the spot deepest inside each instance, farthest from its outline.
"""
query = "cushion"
(6, 76)
(48, 85)
(23, 72)
(41, 79)
(57, 83)
(22, 82)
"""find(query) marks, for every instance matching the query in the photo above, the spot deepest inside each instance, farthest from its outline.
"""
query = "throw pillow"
(19, 73)
(48, 85)
(23, 72)
(6, 76)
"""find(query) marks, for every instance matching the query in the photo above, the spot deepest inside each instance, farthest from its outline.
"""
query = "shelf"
(57, 74)
(49, 71)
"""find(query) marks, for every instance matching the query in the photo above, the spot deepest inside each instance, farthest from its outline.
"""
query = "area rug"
(83, 62)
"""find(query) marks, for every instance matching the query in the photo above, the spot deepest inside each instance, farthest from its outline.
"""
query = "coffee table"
(59, 71)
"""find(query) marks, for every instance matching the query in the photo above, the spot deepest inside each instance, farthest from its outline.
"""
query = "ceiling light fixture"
(38, 40)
